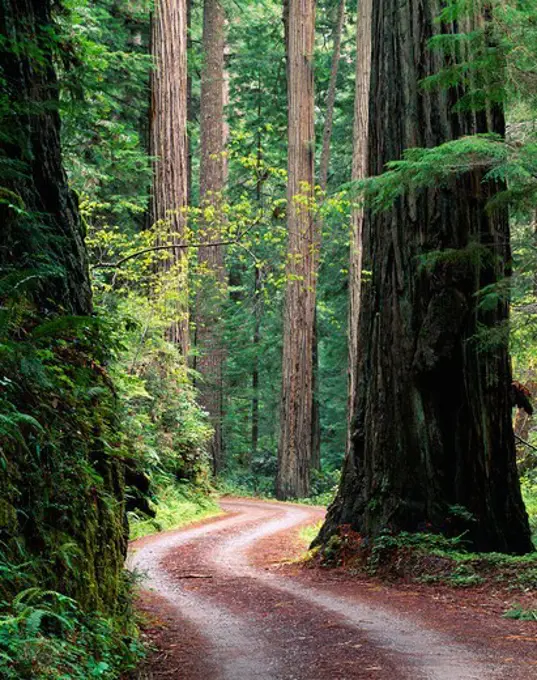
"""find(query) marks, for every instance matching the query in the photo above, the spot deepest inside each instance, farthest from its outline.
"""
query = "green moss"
(62, 493)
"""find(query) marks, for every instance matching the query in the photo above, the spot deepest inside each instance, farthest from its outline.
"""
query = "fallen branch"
(194, 576)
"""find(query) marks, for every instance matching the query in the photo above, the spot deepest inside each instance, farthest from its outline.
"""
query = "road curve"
(256, 624)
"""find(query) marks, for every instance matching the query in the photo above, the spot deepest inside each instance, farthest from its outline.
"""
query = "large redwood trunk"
(169, 146)
(295, 446)
(213, 168)
(31, 148)
(433, 442)
(49, 496)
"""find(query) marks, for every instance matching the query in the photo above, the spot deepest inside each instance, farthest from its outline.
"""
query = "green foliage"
(429, 558)
(309, 533)
(519, 613)
(104, 70)
(178, 505)
(529, 493)
(45, 634)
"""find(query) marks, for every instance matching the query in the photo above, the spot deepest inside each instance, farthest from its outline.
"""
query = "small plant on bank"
(521, 614)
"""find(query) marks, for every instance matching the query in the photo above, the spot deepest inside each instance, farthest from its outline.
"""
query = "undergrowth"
(177, 506)
(428, 558)
(248, 484)
(529, 492)
(46, 634)
(518, 612)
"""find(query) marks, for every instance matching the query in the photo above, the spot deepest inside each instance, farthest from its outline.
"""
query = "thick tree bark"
(359, 172)
(42, 251)
(294, 451)
(31, 146)
(433, 442)
(213, 170)
(169, 146)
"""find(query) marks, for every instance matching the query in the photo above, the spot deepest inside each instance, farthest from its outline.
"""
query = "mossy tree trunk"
(34, 172)
(51, 505)
(433, 443)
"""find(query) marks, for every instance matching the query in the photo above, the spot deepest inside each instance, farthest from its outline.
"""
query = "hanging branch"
(178, 246)
(523, 441)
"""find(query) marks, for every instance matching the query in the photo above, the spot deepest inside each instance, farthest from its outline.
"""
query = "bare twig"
(523, 441)
(178, 246)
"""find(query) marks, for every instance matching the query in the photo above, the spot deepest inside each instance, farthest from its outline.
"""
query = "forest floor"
(227, 599)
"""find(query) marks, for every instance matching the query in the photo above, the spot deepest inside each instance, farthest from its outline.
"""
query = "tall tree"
(213, 170)
(324, 162)
(433, 442)
(57, 460)
(32, 149)
(324, 166)
(359, 172)
(295, 445)
(169, 146)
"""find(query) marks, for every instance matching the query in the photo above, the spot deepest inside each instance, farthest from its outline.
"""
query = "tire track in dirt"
(258, 624)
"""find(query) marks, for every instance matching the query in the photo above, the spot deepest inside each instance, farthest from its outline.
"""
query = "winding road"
(230, 615)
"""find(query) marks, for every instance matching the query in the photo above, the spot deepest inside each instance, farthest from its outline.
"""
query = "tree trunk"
(294, 451)
(316, 412)
(258, 292)
(169, 146)
(189, 100)
(213, 170)
(324, 163)
(359, 171)
(31, 144)
(433, 442)
(324, 166)
(49, 486)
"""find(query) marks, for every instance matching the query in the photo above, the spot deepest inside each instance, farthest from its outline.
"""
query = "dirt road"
(222, 611)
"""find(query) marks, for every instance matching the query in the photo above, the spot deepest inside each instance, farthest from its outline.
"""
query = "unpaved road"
(228, 615)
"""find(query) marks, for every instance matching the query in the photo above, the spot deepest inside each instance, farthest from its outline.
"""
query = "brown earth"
(220, 605)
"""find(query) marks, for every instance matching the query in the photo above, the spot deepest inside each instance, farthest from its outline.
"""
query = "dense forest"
(285, 250)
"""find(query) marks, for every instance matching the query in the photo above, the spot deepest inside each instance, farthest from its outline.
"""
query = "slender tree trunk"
(189, 102)
(324, 166)
(255, 368)
(324, 163)
(258, 289)
(316, 413)
(433, 441)
(169, 146)
(294, 451)
(359, 172)
(213, 170)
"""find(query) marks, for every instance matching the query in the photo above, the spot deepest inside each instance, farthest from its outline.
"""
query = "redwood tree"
(169, 146)
(57, 477)
(210, 354)
(295, 445)
(432, 440)
(359, 172)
